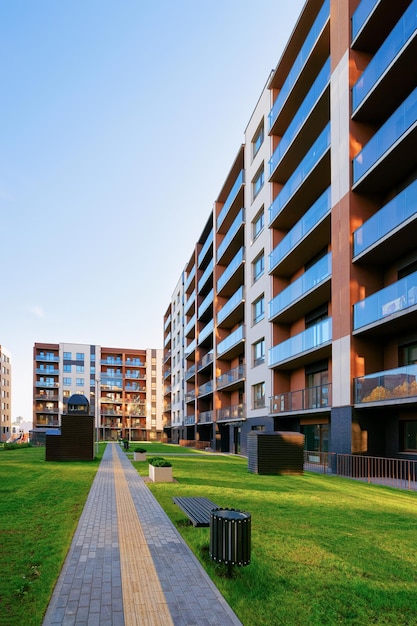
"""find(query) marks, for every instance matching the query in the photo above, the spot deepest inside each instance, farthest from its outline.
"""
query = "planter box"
(139, 456)
(160, 474)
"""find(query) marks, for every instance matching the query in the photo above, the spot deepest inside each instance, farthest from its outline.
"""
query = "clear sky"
(119, 121)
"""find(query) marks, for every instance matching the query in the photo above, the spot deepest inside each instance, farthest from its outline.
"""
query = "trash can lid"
(231, 514)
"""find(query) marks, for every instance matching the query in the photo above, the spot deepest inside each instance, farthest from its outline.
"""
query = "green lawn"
(325, 550)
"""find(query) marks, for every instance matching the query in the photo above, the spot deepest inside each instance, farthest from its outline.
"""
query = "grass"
(325, 550)
(40, 504)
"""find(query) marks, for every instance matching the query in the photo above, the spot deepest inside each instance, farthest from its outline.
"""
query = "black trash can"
(230, 536)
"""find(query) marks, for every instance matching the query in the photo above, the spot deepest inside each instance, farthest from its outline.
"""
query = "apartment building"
(123, 386)
(300, 296)
(5, 393)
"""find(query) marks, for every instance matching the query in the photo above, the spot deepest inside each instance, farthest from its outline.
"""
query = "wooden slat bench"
(197, 509)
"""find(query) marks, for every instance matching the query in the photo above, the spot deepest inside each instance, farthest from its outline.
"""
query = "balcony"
(190, 326)
(46, 410)
(167, 373)
(207, 302)
(285, 210)
(387, 79)
(205, 332)
(206, 247)
(46, 397)
(167, 340)
(300, 63)
(205, 417)
(308, 399)
(386, 304)
(189, 420)
(391, 231)
(45, 421)
(205, 389)
(50, 358)
(395, 386)
(189, 301)
(189, 279)
(43, 371)
(232, 312)
(231, 198)
(232, 345)
(390, 154)
(304, 294)
(235, 229)
(315, 110)
(112, 361)
(167, 322)
(46, 384)
(230, 413)
(310, 345)
(232, 274)
(208, 272)
(167, 356)
(205, 361)
(190, 372)
(231, 379)
(190, 348)
(190, 396)
(295, 248)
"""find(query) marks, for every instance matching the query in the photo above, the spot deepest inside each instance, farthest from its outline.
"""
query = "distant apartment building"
(122, 385)
(299, 300)
(5, 393)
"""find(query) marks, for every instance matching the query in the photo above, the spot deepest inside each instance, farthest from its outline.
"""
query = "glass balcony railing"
(230, 270)
(47, 357)
(230, 198)
(189, 301)
(231, 233)
(300, 61)
(205, 360)
(392, 215)
(167, 322)
(230, 305)
(303, 113)
(397, 297)
(167, 339)
(391, 47)
(205, 248)
(313, 156)
(47, 372)
(190, 372)
(303, 227)
(207, 330)
(208, 300)
(205, 417)
(319, 397)
(232, 340)
(190, 324)
(189, 420)
(206, 388)
(231, 377)
(206, 275)
(313, 277)
(393, 129)
(395, 384)
(235, 412)
(361, 15)
(190, 348)
(314, 337)
(189, 278)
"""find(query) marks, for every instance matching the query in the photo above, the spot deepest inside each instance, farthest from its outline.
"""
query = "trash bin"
(230, 536)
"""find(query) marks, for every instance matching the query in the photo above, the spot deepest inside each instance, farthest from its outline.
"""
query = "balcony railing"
(397, 297)
(207, 359)
(47, 372)
(312, 278)
(190, 348)
(205, 389)
(205, 417)
(206, 275)
(206, 332)
(230, 198)
(190, 395)
(303, 113)
(208, 300)
(190, 324)
(46, 384)
(189, 278)
(310, 339)
(231, 233)
(189, 420)
(394, 128)
(230, 305)
(319, 397)
(233, 339)
(395, 384)
(385, 56)
(231, 377)
(361, 15)
(230, 270)
(205, 248)
(313, 156)
(228, 413)
(300, 61)
(392, 215)
(189, 301)
(50, 358)
(320, 209)
(190, 372)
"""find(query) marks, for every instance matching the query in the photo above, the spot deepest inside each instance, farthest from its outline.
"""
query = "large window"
(259, 352)
(80, 382)
(68, 356)
(258, 266)
(258, 309)
(67, 382)
(67, 368)
(258, 395)
(80, 356)
(258, 224)
(258, 139)
(258, 182)
(408, 439)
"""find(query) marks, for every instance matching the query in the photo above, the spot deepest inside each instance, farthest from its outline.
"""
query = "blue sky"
(119, 122)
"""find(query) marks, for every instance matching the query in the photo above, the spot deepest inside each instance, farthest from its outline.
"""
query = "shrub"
(158, 461)
(139, 450)
(16, 446)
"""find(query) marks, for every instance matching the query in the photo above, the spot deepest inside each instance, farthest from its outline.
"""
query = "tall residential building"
(300, 296)
(6, 394)
(122, 385)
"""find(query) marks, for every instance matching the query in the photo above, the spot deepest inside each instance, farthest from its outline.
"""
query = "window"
(80, 369)
(67, 382)
(67, 368)
(258, 267)
(259, 352)
(408, 441)
(258, 308)
(80, 356)
(258, 395)
(80, 382)
(258, 140)
(258, 224)
(68, 355)
(258, 182)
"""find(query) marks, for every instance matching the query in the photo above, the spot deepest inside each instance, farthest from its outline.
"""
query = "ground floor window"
(408, 436)
(316, 437)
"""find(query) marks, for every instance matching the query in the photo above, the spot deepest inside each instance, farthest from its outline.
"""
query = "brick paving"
(128, 565)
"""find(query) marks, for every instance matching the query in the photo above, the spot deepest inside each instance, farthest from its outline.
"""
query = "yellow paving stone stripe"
(144, 602)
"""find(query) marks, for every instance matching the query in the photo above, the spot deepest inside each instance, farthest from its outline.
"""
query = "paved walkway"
(128, 565)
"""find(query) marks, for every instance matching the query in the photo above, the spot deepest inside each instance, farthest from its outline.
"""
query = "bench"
(197, 509)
